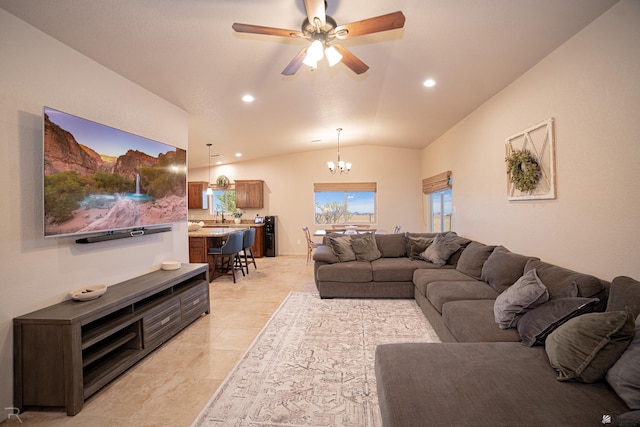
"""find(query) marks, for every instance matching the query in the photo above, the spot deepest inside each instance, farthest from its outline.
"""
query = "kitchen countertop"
(217, 231)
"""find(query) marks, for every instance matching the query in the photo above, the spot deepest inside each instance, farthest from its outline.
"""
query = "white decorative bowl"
(171, 265)
(194, 226)
(88, 292)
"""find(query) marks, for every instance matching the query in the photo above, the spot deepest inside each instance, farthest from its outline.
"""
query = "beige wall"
(590, 87)
(37, 70)
(289, 188)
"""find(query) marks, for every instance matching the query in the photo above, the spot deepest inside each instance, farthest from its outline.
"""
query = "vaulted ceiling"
(186, 52)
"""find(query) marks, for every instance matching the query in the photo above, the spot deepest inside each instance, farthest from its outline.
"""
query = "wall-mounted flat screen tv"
(98, 179)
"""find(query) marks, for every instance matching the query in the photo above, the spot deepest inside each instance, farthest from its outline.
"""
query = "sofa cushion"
(365, 247)
(556, 279)
(443, 246)
(439, 293)
(341, 246)
(624, 375)
(473, 258)
(393, 270)
(482, 384)
(423, 276)
(503, 268)
(527, 293)
(417, 245)
(585, 347)
(624, 292)
(535, 325)
(472, 321)
(345, 272)
(391, 245)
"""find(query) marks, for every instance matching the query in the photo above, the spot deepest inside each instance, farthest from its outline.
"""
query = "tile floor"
(172, 385)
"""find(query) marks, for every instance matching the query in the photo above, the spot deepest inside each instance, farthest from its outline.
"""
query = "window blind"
(436, 183)
(344, 186)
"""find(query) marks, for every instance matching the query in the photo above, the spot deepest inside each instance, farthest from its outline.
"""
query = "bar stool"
(228, 254)
(248, 240)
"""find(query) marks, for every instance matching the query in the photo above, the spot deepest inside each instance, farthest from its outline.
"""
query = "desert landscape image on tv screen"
(98, 178)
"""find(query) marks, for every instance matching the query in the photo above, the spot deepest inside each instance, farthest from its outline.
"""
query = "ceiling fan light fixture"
(333, 55)
(310, 61)
(316, 50)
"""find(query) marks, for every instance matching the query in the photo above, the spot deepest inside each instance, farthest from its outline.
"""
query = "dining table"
(200, 241)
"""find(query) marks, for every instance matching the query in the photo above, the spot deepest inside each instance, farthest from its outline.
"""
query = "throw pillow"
(392, 245)
(341, 246)
(535, 325)
(473, 258)
(585, 347)
(503, 268)
(416, 245)
(624, 375)
(527, 293)
(624, 292)
(365, 247)
(441, 249)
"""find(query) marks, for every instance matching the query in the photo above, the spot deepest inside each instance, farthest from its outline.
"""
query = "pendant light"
(209, 189)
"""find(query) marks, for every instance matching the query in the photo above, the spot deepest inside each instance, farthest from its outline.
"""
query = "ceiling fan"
(321, 30)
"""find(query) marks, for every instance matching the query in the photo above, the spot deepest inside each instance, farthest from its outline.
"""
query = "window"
(440, 211)
(346, 203)
(438, 188)
(224, 201)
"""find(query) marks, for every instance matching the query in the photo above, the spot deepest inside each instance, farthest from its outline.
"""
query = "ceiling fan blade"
(295, 64)
(390, 21)
(351, 61)
(315, 9)
(268, 31)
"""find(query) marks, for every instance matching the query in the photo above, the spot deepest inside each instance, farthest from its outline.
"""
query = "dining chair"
(311, 245)
(229, 254)
(396, 230)
(248, 239)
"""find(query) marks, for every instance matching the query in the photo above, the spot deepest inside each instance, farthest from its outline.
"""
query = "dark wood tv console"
(66, 352)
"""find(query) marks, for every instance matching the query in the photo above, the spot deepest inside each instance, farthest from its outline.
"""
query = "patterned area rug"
(313, 364)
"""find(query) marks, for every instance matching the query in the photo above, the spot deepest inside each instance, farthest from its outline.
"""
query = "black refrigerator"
(270, 236)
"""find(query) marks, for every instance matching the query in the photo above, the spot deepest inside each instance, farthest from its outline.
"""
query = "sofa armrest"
(325, 254)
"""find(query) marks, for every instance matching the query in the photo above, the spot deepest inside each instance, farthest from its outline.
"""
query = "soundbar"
(113, 235)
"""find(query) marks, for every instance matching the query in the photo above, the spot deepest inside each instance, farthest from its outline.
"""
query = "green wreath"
(222, 181)
(524, 169)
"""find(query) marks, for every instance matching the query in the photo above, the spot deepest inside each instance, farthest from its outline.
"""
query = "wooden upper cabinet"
(197, 199)
(249, 194)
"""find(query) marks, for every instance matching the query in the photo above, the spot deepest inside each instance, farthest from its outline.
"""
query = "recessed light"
(218, 162)
(238, 154)
(248, 98)
(429, 83)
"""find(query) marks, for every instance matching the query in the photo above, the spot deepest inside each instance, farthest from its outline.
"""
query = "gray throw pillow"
(365, 247)
(535, 325)
(624, 292)
(503, 268)
(341, 246)
(441, 249)
(416, 245)
(624, 375)
(473, 258)
(391, 245)
(527, 293)
(584, 348)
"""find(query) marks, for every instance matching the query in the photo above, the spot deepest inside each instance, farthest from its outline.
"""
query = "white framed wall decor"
(530, 161)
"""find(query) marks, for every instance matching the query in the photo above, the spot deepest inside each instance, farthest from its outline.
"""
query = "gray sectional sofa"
(503, 362)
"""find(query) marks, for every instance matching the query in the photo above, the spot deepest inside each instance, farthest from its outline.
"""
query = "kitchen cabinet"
(249, 194)
(197, 198)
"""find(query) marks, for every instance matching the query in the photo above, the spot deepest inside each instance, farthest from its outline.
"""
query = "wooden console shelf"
(66, 352)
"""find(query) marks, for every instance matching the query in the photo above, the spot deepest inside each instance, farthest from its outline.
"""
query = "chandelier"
(343, 167)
